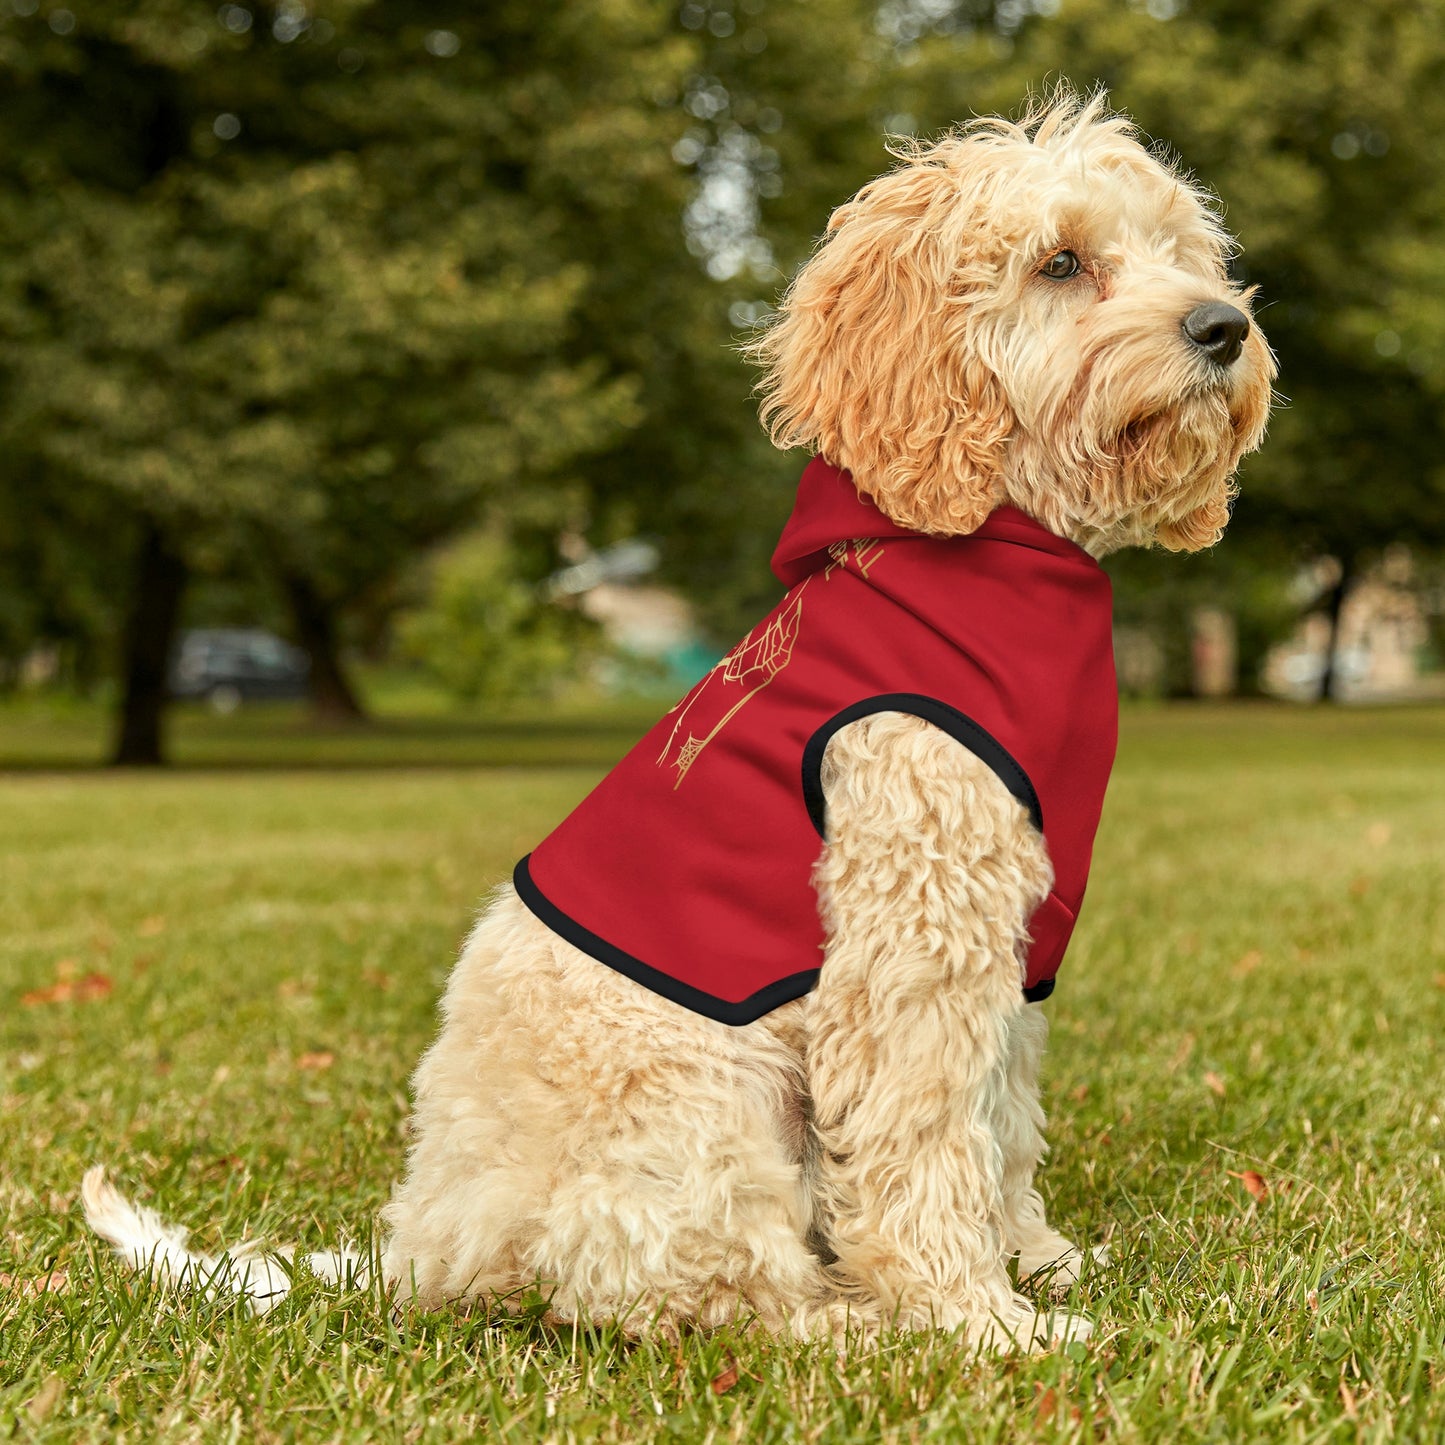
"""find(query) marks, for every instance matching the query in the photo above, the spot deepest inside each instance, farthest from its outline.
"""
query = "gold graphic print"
(741, 675)
(863, 552)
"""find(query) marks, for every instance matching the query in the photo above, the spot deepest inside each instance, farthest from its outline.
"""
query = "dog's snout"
(1218, 331)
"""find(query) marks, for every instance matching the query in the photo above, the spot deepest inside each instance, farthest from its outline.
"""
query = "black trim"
(1039, 991)
(956, 724)
(746, 1011)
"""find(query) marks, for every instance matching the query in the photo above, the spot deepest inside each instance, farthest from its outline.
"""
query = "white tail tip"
(147, 1243)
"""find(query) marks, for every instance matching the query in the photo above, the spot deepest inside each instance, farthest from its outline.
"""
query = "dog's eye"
(1060, 266)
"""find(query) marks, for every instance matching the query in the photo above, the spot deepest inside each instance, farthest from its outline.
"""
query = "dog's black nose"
(1218, 331)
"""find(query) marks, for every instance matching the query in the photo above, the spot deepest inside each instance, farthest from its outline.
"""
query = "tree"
(306, 287)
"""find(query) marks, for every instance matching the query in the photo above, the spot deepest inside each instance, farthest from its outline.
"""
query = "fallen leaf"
(1214, 1083)
(1181, 1054)
(151, 927)
(1440, 980)
(1248, 963)
(83, 990)
(724, 1382)
(1254, 1183)
(1080, 1094)
(45, 1399)
(320, 1059)
(1046, 1408)
(56, 1282)
(56, 993)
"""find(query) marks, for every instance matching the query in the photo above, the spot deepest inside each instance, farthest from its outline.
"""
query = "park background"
(408, 333)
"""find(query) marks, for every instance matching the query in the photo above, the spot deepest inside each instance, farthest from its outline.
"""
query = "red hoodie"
(689, 866)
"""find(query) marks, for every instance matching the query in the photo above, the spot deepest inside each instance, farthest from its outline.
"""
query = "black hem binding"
(745, 1011)
(956, 724)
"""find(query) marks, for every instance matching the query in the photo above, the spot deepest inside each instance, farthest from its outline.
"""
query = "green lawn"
(217, 979)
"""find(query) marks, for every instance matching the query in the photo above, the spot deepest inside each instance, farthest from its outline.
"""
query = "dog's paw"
(1023, 1326)
(1057, 1268)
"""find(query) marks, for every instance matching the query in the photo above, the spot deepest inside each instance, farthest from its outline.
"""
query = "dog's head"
(1036, 313)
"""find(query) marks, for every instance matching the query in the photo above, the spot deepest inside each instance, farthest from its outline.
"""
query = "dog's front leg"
(1019, 1126)
(927, 882)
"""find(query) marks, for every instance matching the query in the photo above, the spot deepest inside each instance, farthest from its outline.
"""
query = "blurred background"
(362, 360)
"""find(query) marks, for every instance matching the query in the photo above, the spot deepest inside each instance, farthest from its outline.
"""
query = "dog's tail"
(147, 1243)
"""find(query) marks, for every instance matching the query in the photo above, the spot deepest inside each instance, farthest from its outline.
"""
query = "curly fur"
(921, 349)
(864, 1156)
(651, 1165)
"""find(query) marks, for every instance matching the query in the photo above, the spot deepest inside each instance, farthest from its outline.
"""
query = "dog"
(694, 1069)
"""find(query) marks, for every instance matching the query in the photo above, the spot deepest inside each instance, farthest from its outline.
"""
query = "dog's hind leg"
(929, 876)
(580, 1136)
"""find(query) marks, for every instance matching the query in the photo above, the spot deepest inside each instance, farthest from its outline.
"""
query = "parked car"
(230, 665)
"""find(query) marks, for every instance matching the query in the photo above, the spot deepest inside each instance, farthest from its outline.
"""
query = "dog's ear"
(873, 359)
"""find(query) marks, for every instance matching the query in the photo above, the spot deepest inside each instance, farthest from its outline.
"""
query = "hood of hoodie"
(830, 510)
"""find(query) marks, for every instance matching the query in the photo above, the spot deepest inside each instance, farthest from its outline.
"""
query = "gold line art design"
(749, 667)
(863, 551)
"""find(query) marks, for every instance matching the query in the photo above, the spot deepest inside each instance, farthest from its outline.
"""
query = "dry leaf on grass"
(56, 1282)
(1248, 963)
(1046, 1408)
(724, 1382)
(1254, 1183)
(66, 990)
(45, 1399)
(1181, 1054)
(1214, 1083)
(320, 1059)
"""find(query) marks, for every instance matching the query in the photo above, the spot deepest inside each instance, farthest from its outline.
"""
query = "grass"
(216, 980)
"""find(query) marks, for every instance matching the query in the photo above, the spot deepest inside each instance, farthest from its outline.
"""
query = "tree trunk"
(1329, 678)
(333, 699)
(150, 631)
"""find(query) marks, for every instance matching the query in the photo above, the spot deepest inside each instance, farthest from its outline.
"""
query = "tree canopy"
(300, 290)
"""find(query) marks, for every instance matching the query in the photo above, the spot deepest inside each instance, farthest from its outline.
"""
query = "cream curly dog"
(1031, 316)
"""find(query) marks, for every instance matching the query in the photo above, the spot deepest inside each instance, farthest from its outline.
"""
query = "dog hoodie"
(688, 868)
